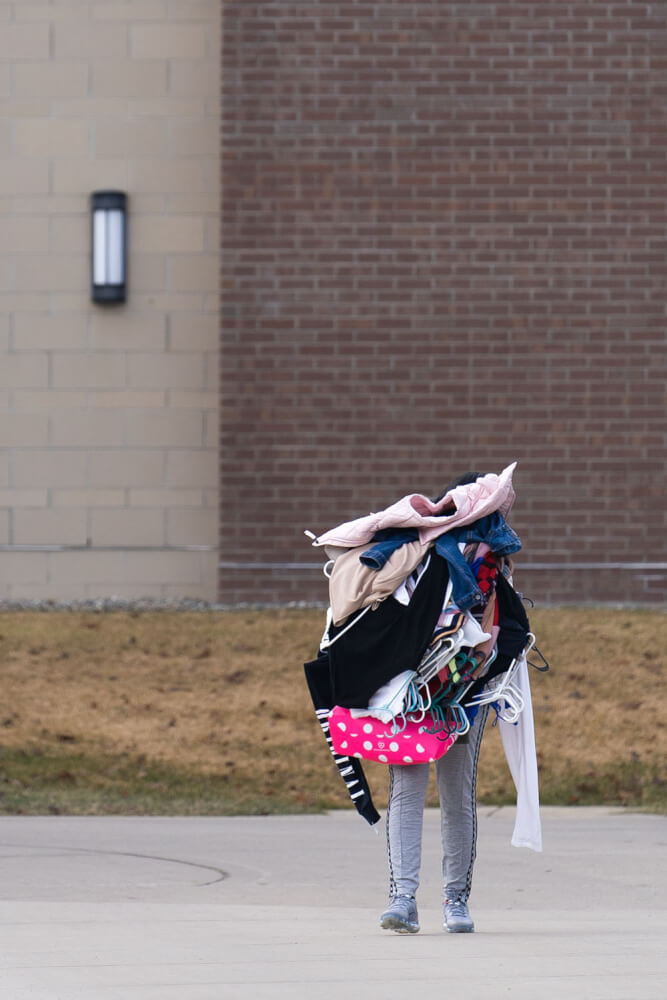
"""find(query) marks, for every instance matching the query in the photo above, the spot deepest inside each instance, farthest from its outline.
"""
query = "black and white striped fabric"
(349, 768)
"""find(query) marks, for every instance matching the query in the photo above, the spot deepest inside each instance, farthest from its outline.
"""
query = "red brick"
(443, 247)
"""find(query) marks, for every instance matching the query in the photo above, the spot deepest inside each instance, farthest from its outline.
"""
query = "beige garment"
(352, 585)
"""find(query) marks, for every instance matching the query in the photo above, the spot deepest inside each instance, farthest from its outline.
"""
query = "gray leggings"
(456, 775)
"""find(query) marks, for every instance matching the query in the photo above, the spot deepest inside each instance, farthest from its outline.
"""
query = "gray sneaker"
(401, 916)
(457, 917)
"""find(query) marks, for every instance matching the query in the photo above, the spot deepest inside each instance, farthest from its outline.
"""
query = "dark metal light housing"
(108, 212)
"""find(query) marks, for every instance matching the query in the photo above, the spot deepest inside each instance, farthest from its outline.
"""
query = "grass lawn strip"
(207, 713)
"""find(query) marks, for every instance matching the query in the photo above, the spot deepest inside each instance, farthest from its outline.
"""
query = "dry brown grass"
(599, 713)
(222, 695)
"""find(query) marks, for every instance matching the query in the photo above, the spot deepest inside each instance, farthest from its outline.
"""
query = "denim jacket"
(492, 529)
(386, 542)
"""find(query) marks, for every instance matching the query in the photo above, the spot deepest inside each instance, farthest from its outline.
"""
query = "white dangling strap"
(326, 642)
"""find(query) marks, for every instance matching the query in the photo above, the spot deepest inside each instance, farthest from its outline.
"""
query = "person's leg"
(456, 774)
(404, 821)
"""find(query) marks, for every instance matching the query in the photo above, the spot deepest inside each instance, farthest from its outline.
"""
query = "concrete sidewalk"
(287, 907)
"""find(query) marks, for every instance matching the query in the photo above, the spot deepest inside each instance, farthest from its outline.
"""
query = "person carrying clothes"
(456, 550)
(456, 778)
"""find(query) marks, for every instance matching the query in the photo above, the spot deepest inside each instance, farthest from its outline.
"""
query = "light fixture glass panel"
(100, 247)
(115, 275)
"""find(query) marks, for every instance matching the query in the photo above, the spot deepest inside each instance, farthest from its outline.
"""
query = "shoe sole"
(459, 930)
(390, 923)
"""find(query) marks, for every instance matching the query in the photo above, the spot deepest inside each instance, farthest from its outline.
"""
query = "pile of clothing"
(423, 627)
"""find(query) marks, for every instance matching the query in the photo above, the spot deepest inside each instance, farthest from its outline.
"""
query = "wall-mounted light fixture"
(108, 211)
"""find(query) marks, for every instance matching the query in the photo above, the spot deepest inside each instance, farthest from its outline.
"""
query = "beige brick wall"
(108, 416)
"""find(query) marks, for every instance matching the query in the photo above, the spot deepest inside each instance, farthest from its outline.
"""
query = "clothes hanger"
(503, 691)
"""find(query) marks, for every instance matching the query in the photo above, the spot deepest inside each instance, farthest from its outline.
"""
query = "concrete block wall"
(109, 416)
(445, 250)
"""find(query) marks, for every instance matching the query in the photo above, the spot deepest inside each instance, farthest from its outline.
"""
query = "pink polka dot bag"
(403, 742)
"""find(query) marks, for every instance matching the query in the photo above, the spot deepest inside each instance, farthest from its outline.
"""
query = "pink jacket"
(462, 505)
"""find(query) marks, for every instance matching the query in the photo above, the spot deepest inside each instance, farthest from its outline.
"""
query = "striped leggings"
(456, 775)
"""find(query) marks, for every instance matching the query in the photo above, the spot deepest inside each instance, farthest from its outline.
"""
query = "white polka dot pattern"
(369, 739)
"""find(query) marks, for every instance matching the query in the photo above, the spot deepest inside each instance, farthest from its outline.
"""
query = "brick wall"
(444, 249)
(108, 416)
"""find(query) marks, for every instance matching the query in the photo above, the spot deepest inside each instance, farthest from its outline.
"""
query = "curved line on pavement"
(220, 872)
